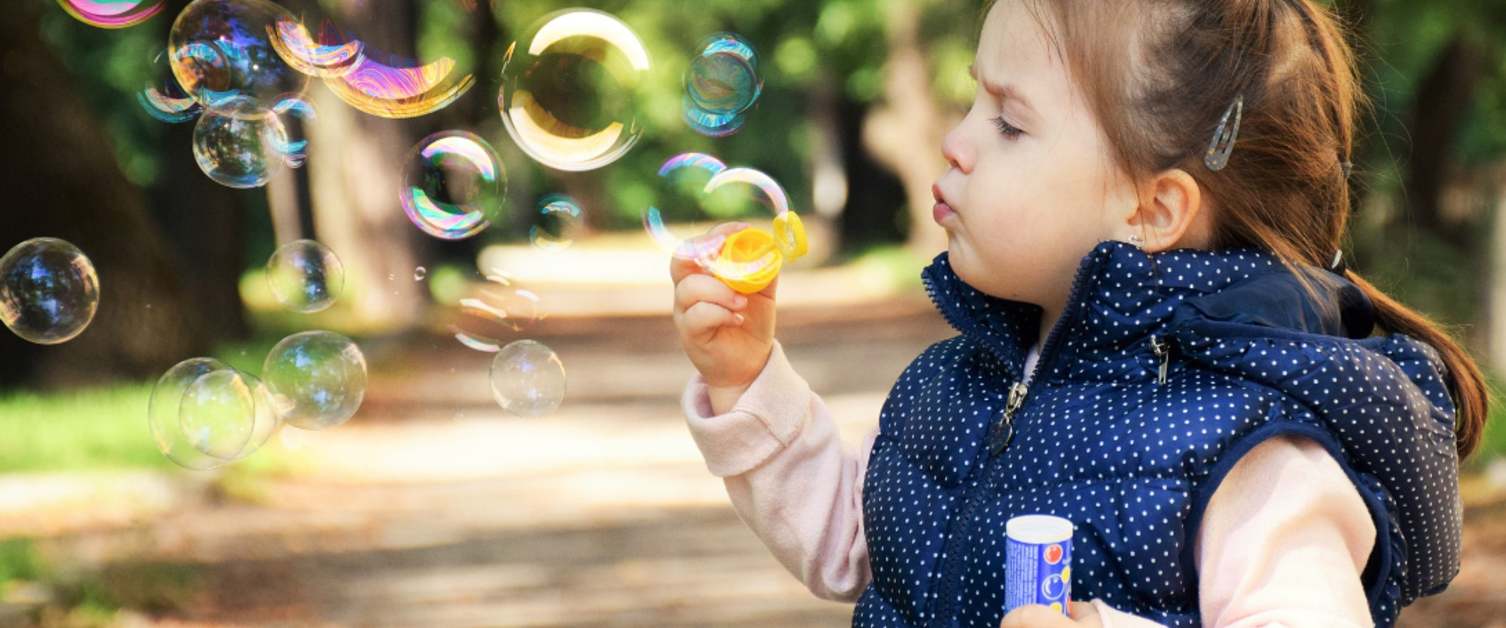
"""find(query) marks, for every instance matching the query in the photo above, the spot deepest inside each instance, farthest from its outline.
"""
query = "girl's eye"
(1007, 129)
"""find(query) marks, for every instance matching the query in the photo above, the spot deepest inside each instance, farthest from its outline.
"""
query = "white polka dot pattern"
(1132, 461)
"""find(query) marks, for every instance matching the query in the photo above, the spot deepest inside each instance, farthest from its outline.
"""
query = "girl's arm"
(1284, 541)
(790, 477)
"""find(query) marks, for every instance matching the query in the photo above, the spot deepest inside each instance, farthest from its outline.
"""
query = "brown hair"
(1285, 188)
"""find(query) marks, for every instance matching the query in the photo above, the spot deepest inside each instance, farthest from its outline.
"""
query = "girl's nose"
(954, 149)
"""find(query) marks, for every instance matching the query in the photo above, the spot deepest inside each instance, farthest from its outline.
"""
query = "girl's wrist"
(724, 398)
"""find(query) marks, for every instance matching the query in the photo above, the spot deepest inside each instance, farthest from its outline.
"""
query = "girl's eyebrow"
(1004, 92)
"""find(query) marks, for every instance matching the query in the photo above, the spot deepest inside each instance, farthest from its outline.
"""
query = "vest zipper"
(1003, 430)
(1163, 352)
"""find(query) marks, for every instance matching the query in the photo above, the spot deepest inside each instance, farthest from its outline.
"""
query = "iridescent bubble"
(292, 146)
(217, 413)
(368, 79)
(492, 311)
(292, 42)
(163, 413)
(305, 276)
(721, 85)
(453, 185)
(528, 379)
(560, 217)
(167, 101)
(315, 379)
(222, 49)
(568, 97)
(235, 143)
(112, 13)
(680, 201)
(48, 290)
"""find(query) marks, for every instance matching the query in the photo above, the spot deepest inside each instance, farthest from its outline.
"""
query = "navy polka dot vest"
(1102, 438)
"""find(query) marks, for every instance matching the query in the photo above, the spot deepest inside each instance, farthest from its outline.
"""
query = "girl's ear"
(1173, 214)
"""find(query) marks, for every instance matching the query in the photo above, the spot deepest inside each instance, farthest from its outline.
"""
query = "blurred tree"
(61, 180)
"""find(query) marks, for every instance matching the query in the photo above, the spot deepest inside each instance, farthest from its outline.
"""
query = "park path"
(434, 508)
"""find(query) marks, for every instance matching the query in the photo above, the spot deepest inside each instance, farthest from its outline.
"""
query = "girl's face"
(1031, 186)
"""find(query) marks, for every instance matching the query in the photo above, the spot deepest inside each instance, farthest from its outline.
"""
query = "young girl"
(1158, 341)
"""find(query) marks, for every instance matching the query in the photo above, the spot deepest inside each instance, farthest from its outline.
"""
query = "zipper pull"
(1162, 351)
(1005, 427)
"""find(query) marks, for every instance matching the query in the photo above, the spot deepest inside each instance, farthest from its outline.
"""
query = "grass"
(100, 428)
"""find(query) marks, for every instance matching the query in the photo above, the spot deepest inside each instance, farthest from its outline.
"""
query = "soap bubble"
(492, 311)
(112, 13)
(453, 185)
(315, 379)
(420, 273)
(560, 217)
(217, 413)
(315, 58)
(721, 85)
(368, 79)
(292, 146)
(265, 422)
(305, 276)
(222, 49)
(568, 97)
(680, 200)
(48, 291)
(166, 100)
(163, 413)
(235, 143)
(528, 379)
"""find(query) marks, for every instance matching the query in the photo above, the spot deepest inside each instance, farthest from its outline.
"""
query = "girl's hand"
(728, 336)
(1037, 616)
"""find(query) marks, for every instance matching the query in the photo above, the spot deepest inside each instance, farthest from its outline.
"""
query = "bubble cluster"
(315, 379)
(112, 13)
(221, 49)
(235, 143)
(370, 80)
(305, 276)
(568, 97)
(453, 185)
(203, 414)
(528, 379)
(559, 218)
(492, 311)
(721, 85)
(48, 291)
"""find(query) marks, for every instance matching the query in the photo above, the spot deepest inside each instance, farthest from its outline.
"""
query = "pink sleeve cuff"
(763, 422)
(1115, 618)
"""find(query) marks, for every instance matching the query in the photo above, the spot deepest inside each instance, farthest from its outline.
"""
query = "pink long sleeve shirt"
(1283, 542)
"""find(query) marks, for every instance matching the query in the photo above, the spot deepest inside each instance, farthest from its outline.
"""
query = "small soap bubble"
(492, 311)
(112, 13)
(288, 138)
(559, 218)
(221, 49)
(163, 413)
(217, 413)
(697, 191)
(235, 143)
(528, 379)
(721, 84)
(165, 100)
(453, 185)
(48, 291)
(420, 273)
(569, 95)
(305, 276)
(315, 379)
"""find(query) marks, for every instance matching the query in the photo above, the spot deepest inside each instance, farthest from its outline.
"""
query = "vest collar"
(1122, 295)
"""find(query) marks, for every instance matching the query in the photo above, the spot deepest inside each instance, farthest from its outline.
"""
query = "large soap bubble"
(721, 85)
(453, 185)
(528, 379)
(315, 379)
(568, 94)
(163, 413)
(48, 290)
(235, 143)
(222, 48)
(305, 276)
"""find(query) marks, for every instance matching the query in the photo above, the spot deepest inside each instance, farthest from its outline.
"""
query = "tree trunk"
(61, 180)
(1443, 102)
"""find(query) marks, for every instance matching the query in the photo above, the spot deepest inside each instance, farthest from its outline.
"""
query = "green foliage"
(19, 561)
(86, 429)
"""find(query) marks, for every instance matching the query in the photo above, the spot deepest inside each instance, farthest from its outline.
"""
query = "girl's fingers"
(682, 265)
(707, 289)
(703, 318)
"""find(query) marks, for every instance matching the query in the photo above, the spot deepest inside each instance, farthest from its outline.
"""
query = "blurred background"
(432, 505)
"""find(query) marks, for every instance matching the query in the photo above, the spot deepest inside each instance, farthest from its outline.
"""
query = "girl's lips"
(941, 212)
